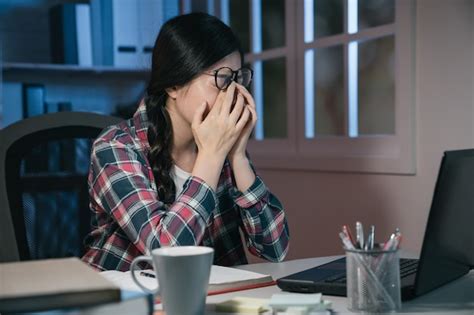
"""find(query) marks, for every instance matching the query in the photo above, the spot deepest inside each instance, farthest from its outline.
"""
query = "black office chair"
(44, 203)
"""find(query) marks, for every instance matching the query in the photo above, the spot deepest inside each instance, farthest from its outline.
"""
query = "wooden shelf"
(15, 68)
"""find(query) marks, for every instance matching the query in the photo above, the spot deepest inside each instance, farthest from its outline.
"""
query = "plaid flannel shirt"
(129, 220)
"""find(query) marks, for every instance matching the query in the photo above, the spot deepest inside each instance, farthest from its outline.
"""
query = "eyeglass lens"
(225, 76)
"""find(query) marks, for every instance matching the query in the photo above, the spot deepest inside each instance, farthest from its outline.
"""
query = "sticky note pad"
(244, 305)
(280, 301)
(294, 310)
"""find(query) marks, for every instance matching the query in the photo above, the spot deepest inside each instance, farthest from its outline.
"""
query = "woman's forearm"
(243, 173)
(208, 167)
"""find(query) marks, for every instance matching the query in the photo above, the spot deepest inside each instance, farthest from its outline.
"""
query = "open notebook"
(222, 280)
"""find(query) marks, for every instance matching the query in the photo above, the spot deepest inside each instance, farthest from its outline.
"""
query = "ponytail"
(160, 138)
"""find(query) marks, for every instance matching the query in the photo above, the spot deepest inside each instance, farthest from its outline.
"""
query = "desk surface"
(456, 297)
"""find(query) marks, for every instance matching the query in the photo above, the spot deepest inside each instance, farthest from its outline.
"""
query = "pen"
(398, 240)
(367, 243)
(345, 240)
(348, 234)
(389, 244)
(371, 238)
(147, 274)
(360, 235)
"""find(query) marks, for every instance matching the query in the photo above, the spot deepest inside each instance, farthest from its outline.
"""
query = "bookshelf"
(26, 58)
(28, 35)
(16, 68)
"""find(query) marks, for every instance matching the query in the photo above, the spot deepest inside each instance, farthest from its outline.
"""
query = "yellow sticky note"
(244, 305)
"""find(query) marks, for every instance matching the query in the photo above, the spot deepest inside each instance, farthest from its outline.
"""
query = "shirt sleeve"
(121, 185)
(264, 221)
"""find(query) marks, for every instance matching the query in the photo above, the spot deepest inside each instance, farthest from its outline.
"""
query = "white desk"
(456, 297)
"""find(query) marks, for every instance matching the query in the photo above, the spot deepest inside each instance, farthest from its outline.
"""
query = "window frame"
(392, 154)
(272, 146)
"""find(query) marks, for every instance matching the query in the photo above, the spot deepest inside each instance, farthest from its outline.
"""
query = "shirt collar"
(141, 123)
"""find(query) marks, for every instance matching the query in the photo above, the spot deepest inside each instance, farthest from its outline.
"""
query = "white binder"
(124, 31)
(150, 21)
(115, 32)
(84, 35)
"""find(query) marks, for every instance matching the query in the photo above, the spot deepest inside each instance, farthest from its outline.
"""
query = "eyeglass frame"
(234, 76)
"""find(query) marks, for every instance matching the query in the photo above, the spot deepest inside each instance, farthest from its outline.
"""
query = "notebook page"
(219, 275)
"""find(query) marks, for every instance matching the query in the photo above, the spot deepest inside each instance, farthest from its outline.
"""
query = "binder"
(12, 108)
(170, 10)
(124, 31)
(84, 34)
(70, 32)
(152, 15)
(150, 22)
(115, 33)
(33, 100)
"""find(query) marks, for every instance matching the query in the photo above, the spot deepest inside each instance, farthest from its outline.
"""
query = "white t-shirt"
(179, 177)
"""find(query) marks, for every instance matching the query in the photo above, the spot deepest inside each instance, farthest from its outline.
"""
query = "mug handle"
(133, 268)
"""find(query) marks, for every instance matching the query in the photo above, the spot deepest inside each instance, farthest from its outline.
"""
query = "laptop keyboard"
(407, 267)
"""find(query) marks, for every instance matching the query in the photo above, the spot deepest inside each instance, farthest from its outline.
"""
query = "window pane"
(328, 17)
(328, 91)
(239, 21)
(273, 23)
(375, 12)
(376, 100)
(274, 98)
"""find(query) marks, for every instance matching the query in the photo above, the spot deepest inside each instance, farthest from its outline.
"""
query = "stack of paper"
(222, 279)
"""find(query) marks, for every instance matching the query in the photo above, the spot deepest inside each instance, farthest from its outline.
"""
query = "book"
(70, 34)
(222, 280)
(12, 103)
(50, 284)
(131, 302)
(33, 100)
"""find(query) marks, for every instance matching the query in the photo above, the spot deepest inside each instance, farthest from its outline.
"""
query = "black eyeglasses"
(225, 75)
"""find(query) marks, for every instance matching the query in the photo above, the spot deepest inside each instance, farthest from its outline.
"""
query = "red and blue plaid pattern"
(130, 220)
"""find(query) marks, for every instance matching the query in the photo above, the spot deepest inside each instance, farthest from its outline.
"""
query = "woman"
(177, 172)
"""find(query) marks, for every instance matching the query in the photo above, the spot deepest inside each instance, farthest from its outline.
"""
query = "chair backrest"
(44, 204)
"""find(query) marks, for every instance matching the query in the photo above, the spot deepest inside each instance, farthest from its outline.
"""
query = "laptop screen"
(448, 245)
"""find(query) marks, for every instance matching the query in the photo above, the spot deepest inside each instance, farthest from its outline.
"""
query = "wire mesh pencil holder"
(373, 280)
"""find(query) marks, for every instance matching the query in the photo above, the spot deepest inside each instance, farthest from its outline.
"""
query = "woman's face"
(202, 89)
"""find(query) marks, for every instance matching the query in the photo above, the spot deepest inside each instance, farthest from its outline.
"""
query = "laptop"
(448, 246)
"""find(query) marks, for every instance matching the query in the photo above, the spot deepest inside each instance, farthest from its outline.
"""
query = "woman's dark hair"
(185, 47)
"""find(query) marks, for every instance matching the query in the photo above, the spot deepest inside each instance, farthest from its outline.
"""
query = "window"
(333, 82)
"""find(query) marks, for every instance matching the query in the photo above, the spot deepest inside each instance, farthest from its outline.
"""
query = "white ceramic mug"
(183, 277)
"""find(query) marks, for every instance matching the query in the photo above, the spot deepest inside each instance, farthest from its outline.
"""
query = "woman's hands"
(239, 147)
(223, 132)
(224, 125)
